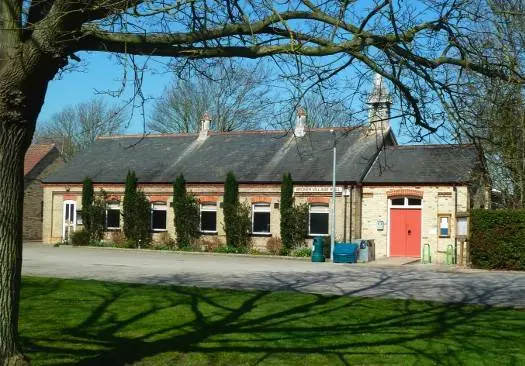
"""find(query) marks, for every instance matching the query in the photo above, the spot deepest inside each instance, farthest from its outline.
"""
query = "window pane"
(261, 207)
(443, 226)
(208, 207)
(261, 222)
(208, 221)
(398, 201)
(414, 201)
(318, 223)
(68, 210)
(319, 208)
(158, 220)
(112, 218)
(79, 218)
(158, 206)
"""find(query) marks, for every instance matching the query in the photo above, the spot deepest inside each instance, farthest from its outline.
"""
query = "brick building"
(401, 196)
(39, 162)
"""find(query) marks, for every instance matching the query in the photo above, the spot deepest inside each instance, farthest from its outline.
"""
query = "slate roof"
(425, 164)
(35, 154)
(254, 156)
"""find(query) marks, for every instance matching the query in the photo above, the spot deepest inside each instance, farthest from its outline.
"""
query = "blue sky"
(98, 73)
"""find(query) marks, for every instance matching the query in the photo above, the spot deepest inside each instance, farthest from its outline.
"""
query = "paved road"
(153, 267)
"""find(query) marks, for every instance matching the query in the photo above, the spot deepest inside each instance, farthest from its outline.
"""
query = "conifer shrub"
(294, 218)
(136, 212)
(87, 204)
(97, 214)
(186, 212)
(237, 216)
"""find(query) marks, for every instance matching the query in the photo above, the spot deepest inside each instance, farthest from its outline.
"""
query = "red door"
(405, 232)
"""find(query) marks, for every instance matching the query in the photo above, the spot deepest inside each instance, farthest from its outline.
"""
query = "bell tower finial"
(380, 102)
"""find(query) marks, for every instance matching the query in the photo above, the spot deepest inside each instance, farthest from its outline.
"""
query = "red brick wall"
(34, 194)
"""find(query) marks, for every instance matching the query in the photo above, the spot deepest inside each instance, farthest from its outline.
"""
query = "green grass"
(98, 323)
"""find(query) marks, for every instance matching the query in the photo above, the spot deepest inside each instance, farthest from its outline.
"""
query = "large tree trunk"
(12, 150)
(23, 84)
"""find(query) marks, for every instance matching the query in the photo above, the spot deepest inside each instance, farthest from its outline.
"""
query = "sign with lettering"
(318, 189)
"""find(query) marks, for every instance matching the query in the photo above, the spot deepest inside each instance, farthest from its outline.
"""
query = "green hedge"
(498, 239)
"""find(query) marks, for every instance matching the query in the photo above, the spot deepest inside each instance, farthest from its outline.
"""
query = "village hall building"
(402, 197)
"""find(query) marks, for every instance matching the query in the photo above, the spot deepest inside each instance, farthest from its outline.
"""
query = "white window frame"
(319, 208)
(449, 225)
(265, 208)
(159, 206)
(208, 207)
(405, 202)
(113, 206)
(73, 221)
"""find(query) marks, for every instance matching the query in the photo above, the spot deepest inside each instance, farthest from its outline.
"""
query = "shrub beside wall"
(136, 212)
(498, 239)
(186, 212)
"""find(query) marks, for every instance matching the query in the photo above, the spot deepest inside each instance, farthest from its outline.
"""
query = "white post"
(332, 239)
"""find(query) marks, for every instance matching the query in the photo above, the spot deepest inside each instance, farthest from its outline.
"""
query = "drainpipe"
(345, 187)
(351, 211)
(455, 222)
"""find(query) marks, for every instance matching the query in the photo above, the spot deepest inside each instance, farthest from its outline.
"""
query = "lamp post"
(332, 236)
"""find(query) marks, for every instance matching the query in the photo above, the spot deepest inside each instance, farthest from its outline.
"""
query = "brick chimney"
(300, 123)
(205, 126)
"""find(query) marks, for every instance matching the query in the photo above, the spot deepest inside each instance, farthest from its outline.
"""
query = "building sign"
(462, 226)
(322, 189)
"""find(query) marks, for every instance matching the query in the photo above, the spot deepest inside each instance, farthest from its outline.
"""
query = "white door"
(70, 219)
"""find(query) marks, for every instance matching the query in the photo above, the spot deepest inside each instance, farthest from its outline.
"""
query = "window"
(261, 218)
(79, 218)
(444, 226)
(414, 201)
(113, 216)
(398, 201)
(319, 217)
(406, 202)
(209, 218)
(158, 216)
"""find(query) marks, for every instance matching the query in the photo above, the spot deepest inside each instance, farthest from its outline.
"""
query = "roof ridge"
(430, 146)
(212, 133)
(146, 135)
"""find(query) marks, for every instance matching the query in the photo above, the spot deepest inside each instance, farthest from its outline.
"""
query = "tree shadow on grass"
(129, 324)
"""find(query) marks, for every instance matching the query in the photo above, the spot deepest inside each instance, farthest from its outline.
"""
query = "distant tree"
(322, 111)
(76, 127)
(234, 95)
(136, 212)
(186, 210)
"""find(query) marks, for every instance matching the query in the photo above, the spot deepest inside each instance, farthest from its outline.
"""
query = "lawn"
(100, 323)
